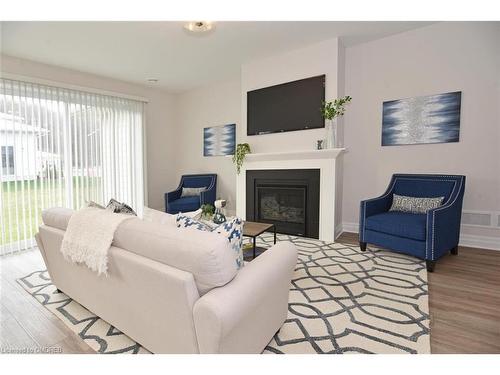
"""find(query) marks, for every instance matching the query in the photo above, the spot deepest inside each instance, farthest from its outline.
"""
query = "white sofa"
(176, 290)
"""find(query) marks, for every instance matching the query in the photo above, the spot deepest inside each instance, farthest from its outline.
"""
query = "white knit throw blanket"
(89, 236)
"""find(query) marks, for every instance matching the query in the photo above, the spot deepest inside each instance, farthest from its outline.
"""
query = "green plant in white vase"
(242, 149)
(330, 112)
(207, 211)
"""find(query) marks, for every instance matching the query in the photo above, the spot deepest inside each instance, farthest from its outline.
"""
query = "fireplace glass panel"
(283, 205)
(289, 199)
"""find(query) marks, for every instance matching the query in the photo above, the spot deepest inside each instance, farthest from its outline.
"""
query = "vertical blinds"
(62, 147)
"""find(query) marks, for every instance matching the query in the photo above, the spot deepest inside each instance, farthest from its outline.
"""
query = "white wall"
(215, 105)
(339, 181)
(439, 58)
(159, 117)
(225, 103)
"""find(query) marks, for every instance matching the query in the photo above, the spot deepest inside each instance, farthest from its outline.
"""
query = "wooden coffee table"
(253, 230)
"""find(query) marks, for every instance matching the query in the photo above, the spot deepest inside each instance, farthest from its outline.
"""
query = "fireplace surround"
(329, 163)
(287, 198)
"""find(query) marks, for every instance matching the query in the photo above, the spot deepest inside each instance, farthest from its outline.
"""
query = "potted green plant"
(242, 149)
(331, 111)
(207, 211)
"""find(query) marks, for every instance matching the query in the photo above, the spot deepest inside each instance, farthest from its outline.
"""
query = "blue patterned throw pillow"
(184, 221)
(232, 230)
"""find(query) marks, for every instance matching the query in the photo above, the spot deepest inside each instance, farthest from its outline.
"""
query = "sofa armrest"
(443, 224)
(244, 315)
(173, 195)
(443, 230)
(376, 205)
(371, 207)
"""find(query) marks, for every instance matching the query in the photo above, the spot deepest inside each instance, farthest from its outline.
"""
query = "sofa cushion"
(421, 186)
(401, 224)
(206, 255)
(154, 216)
(185, 204)
(232, 230)
(57, 217)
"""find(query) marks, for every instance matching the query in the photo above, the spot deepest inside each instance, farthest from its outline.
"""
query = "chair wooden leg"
(454, 251)
(362, 246)
(430, 264)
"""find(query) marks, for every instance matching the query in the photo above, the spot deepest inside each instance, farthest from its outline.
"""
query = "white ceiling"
(136, 51)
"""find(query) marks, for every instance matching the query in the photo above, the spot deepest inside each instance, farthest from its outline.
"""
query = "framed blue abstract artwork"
(423, 119)
(219, 140)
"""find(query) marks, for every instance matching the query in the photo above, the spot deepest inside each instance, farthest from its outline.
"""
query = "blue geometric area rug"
(94, 331)
(341, 300)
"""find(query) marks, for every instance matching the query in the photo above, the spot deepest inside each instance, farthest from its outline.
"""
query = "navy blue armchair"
(175, 204)
(426, 236)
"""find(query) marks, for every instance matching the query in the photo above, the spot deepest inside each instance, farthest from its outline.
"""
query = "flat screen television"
(286, 107)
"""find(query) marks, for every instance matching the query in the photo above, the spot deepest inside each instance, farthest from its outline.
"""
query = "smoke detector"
(199, 27)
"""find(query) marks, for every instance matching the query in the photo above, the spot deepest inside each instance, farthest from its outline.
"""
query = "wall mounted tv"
(286, 107)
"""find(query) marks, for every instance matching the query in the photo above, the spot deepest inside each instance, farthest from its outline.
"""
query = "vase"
(331, 134)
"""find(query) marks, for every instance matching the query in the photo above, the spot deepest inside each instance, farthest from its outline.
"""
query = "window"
(7, 160)
(70, 147)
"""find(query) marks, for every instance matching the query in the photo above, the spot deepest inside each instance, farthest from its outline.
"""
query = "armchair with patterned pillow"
(402, 221)
(193, 191)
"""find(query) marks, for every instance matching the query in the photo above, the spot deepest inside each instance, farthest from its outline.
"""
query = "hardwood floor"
(464, 301)
(24, 322)
(464, 298)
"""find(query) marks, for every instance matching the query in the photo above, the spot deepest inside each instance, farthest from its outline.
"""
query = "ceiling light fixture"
(199, 26)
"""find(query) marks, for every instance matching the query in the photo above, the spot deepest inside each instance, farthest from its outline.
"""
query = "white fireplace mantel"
(302, 155)
(330, 185)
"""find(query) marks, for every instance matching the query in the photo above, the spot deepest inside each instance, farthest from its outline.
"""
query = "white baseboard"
(338, 230)
(468, 240)
(350, 227)
(483, 242)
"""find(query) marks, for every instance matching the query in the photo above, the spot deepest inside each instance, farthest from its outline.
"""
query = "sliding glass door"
(62, 147)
